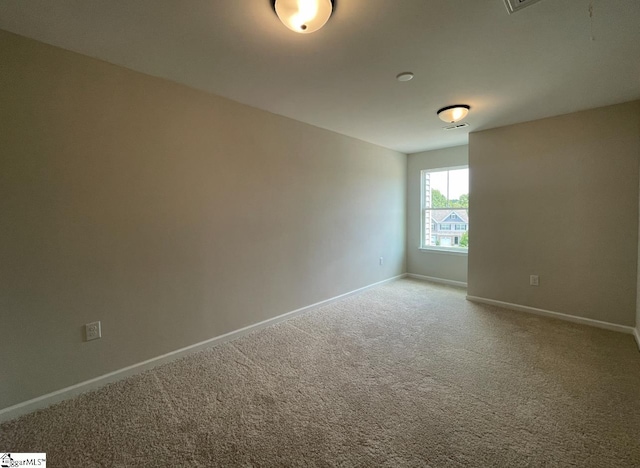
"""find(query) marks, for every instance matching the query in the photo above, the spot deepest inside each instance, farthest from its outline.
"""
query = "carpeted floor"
(406, 374)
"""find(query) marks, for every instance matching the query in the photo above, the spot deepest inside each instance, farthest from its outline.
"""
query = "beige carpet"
(407, 374)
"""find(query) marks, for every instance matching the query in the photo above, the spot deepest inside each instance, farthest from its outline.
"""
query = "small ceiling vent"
(456, 126)
(515, 5)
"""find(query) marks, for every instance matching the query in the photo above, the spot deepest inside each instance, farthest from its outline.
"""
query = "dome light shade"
(303, 16)
(452, 114)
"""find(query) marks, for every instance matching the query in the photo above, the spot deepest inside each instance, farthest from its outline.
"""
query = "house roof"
(440, 216)
(547, 59)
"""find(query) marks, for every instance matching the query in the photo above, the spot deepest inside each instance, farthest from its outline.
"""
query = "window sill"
(444, 251)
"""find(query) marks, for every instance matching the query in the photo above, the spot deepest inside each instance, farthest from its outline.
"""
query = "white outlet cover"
(93, 331)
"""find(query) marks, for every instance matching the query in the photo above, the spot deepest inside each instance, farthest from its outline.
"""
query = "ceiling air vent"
(456, 126)
(515, 5)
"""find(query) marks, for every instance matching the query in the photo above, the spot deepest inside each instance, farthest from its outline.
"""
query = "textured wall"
(423, 262)
(171, 215)
(558, 197)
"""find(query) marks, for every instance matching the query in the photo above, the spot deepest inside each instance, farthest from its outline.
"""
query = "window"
(445, 208)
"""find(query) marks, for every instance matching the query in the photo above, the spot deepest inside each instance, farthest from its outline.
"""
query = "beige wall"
(558, 197)
(170, 215)
(423, 262)
(638, 272)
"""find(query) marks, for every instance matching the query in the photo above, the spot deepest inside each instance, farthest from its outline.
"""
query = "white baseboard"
(433, 279)
(43, 401)
(636, 333)
(556, 315)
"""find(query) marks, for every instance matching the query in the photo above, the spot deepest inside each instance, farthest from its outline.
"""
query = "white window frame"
(432, 248)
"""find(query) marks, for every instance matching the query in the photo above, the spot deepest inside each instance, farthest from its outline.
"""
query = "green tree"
(464, 240)
(437, 199)
(462, 202)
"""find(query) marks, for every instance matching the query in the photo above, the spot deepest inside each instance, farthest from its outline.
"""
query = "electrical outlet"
(381, 260)
(534, 281)
(92, 331)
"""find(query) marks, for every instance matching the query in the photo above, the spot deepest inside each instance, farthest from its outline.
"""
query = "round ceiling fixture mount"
(303, 16)
(404, 76)
(453, 114)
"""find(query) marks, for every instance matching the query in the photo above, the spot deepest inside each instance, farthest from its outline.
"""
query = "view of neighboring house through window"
(445, 209)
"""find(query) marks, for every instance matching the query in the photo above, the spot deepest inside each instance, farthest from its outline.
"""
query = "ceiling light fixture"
(453, 114)
(303, 16)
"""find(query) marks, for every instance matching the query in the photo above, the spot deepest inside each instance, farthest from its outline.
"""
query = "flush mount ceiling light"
(453, 114)
(303, 16)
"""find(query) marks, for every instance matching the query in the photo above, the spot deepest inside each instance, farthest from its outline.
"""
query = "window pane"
(446, 203)
(439, 232)
(459, 188)
(439, 189)
(445, 189)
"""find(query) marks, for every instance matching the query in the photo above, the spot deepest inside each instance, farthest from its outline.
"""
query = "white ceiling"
(536, 63)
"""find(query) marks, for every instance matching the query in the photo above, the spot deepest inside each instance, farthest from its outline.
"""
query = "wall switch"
(92, 331)
(381, 260)
(533, 280)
